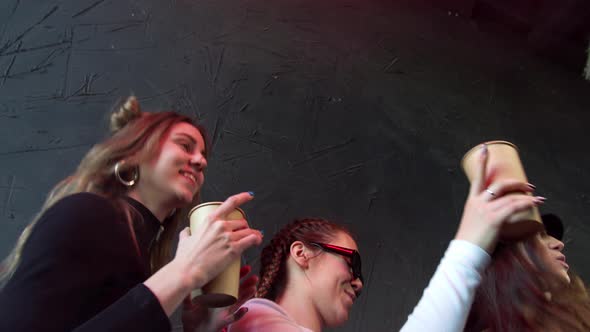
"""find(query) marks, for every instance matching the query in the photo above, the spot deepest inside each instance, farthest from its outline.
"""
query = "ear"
(300, 254)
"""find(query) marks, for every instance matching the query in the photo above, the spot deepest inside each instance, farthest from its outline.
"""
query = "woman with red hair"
(528, 287)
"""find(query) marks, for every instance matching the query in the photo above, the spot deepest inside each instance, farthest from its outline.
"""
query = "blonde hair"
(135, 138)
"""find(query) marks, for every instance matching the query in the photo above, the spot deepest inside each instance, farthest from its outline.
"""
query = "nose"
(556, 244)
(199, 161)
(357, 286)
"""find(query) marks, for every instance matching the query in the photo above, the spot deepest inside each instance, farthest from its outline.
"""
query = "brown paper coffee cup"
(223, 289)
(504, 163)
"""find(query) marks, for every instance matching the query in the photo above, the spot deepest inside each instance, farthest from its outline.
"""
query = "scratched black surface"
(354, 110)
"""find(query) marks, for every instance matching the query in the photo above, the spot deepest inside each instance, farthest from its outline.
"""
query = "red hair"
(516, 294)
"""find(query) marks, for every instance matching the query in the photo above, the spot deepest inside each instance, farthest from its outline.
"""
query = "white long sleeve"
(447, 300)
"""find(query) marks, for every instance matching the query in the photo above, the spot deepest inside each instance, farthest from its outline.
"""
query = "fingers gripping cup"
(222, 291)
(504, 163)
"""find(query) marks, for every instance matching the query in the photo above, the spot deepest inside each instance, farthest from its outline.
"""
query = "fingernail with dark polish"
(240, 313)
(251, 193)
(262, 233)
(484, 148)
(539, 200)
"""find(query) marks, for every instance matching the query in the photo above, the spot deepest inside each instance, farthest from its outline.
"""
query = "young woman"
(528, 287)
(98, 255)
(310, 272)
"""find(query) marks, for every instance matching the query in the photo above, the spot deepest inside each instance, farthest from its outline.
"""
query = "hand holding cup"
(218, 242)
(488, 209)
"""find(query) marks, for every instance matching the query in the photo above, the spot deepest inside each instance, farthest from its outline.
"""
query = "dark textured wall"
(353, 110)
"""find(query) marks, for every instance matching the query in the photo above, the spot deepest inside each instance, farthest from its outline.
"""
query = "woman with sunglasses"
(310, 272)
(310, 276)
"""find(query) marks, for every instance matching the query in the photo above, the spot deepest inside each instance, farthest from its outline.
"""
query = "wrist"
(190, 277)
(485, 239)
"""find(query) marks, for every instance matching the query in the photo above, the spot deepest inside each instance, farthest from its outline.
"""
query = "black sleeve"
(80, 270)
(138, 310)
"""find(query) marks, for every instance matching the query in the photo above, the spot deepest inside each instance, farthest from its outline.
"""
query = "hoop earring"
(127, 183)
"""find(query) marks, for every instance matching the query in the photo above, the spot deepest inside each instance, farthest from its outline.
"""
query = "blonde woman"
(98, 255)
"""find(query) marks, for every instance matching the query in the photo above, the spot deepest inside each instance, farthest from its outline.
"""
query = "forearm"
(170, 285)
(446, 302)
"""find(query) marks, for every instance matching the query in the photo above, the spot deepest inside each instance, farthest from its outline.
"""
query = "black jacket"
(81, 270)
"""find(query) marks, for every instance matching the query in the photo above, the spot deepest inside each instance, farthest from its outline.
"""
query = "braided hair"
(273, 260)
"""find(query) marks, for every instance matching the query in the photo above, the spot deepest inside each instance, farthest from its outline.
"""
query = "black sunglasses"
(355, 258)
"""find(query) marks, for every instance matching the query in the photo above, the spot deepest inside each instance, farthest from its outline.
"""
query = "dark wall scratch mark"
(7, 71)
(219, 64)
(248, 139)
(215, 132)
(16, 3)
(87, 9)
(227, 100)
(64, 87)
(86, 88)
(243, 108)
(147, 26)
(373, 196)
(74, 146)
(209, 62)
(35, 48)
(320, 153)
(29, 29)
(127, 26)
(26, 72)
(47, 58)
(192, 105)
(159, 93)
(45, 62)
(240, 156)
(348, 170)
(386, 68)
(9, 197)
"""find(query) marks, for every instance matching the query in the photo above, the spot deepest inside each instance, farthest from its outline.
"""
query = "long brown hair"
(517, 294)
(136, 138)
(274, 256)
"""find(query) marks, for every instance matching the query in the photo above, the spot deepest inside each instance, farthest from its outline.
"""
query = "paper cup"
(504, 163)
(222, 291)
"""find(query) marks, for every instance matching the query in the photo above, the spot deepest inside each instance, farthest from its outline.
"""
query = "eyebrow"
(193, 141)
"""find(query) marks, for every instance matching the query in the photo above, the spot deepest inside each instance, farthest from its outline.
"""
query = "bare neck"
(300, 307)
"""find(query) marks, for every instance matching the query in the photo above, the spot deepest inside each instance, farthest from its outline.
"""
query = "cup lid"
(213, 203)
(475, 148)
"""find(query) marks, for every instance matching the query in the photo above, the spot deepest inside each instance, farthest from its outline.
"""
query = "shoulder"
(83, 203)
(264, 305)
(80, 216)
(264, 315)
